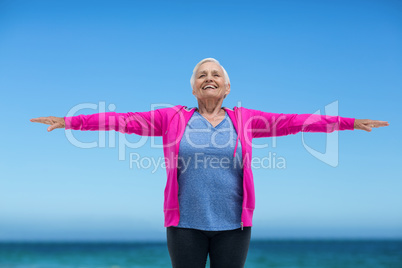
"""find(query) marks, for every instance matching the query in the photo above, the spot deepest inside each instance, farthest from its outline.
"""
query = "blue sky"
(281, 56)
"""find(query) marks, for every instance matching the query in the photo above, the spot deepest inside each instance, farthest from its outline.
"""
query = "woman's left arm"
(265, 124)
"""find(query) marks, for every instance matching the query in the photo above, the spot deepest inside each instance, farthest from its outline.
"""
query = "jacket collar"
(189, 109)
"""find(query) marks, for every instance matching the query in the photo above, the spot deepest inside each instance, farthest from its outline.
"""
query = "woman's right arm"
(141, 123)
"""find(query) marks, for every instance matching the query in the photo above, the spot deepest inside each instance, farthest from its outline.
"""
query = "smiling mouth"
(209, 87)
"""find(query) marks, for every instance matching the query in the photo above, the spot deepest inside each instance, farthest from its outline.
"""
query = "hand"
(54, 122)
(368, 124)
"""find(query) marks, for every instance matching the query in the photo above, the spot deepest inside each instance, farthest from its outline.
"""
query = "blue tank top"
(210, 178)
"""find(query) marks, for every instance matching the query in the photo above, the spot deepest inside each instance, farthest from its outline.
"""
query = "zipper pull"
(241, 226)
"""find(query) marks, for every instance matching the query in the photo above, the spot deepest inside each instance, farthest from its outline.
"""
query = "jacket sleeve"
(140, 123)
(273, 124)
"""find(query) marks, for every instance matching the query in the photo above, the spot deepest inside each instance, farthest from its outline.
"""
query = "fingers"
(43, 120)
(54, 126)
(377, 123)
(51, 128)
(366, 128)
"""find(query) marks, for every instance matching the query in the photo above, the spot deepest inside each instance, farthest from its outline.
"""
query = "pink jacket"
(171, 122)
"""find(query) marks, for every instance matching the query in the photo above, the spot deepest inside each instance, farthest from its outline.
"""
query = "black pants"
(190, 247)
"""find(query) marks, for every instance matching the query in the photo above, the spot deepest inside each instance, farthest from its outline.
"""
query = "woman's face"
(210, 82)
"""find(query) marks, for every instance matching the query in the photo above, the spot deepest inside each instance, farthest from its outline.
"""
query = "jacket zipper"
(237, 141)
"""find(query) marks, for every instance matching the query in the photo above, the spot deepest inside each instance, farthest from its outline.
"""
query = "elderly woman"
(209, 194)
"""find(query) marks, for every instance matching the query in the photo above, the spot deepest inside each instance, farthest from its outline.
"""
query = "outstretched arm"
(53, 121)
(274, 124)
(141, 123)
(368, 124)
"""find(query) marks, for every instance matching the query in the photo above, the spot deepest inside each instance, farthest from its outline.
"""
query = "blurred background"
(84, 57)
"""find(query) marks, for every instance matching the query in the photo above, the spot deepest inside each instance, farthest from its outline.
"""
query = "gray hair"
(227, 81)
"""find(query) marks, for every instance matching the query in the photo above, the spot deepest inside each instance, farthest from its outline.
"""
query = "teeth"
(209, 86)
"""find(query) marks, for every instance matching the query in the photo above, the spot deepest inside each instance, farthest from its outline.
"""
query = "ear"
(227, 90)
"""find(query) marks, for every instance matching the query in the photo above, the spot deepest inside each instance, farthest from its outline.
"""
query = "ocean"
(264, 253)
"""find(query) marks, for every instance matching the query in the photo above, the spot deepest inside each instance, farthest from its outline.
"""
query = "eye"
(217, 75)
(202, 75)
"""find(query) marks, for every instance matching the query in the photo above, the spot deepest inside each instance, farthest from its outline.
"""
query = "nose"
(209, 77)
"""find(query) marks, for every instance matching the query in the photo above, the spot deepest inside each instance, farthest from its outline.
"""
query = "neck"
(210, 107)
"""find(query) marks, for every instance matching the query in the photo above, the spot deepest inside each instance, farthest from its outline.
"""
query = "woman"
(209, 194)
